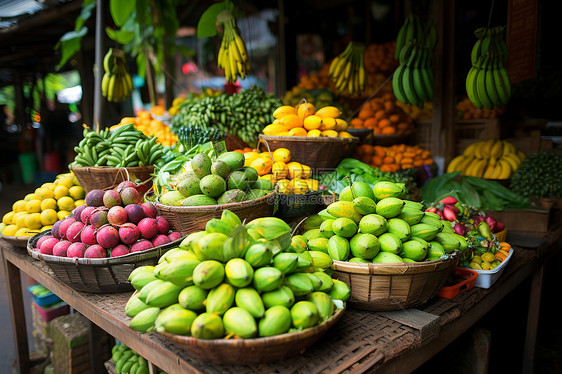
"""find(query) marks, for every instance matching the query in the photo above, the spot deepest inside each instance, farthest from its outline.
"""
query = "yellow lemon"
(314, 133)
(344, 134)
(48, 204)
(77, 203)
(282, 154)
(44, 193)
(7, 219)
(24, 231)
(262, 165)
(284, 186)
(66, 181)
(17, 215)
(62, 214)
(33, 206)
(306, 171)
(330, 133)
(20, 222)
(49, 217)
(77, 192)
(279, 170)
(19, 206)
(60, 191)
(45, 228)
(10, 230)
(65, 203)
(50, 185)
(31, 196)
(33, 221)
(298, 131)
(295, 170)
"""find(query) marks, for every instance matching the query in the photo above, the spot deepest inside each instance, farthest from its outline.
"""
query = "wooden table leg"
(95, 335)
(17, 309)
(533, 320)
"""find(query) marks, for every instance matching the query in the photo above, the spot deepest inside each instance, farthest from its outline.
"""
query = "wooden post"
(281, 60)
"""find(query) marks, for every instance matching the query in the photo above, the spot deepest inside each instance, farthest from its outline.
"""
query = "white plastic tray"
(486, 278)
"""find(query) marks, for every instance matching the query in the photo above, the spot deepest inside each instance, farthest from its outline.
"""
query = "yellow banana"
(111, 87)
(497, 149)
(478, 170)
(453, 165)
(512, 160)
(497, 171)
(506, 170)
(469, 151)
(489, 171)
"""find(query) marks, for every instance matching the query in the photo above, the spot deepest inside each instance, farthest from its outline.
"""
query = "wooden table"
(388, 342)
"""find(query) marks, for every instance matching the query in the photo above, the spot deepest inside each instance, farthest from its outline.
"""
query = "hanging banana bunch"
(233, 56)
(413, 80)
(487, 82)
(348, 69)
(116, 83)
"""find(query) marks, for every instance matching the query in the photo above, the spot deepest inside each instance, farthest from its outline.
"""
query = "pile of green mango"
(128, 361)
(377, 225)
(234, 279)
(220, 181)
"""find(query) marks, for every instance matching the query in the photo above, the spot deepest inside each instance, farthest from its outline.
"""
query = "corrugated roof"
(11, 10)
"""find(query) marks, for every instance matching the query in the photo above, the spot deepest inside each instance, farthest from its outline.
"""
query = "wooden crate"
(523, 220)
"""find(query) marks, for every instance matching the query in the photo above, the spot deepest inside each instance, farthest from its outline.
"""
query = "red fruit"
(125, 184)
(449, 214)
(94, 198)
(477, 220)
(141, 245)
(160, 239)
(150, 210)
(174, 236)
(111, 198)
(61, 248)
(86, 215)
(459, 229)
(74, 231)
(431, 209)
(129, 233)
(449, 200)
(87, 236)
(491, 222)
(99, 217)
(47, 246)
(499, 226)
(76, 250)
(454, 208)
(107, 236)
(129, 195)
(119, 250)
(117, 215)
(42, 239)
(134, 213)
(77, 212)
(95, 251)
(148, 228)
(64, 226)
(440, 213)
(163, 225)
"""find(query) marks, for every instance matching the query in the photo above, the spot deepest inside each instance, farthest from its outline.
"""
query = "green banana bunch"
(413, 80)
(128, 361)
(116, 83)
(348, 69)
(487, 82)
(413, 29)
(123, 147)
(233, 56)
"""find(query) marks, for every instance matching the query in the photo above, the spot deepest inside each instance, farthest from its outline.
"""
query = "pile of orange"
(467, 110)
(393, 158)
(384, 116)
(150, 126)
(380, 57)
(305, 120)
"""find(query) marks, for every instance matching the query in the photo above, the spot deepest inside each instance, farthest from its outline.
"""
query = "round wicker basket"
(381, 287)
(317, 152)
(98, 275)
(188, 219)
(17, 241)
(253, 351)
(101, 177)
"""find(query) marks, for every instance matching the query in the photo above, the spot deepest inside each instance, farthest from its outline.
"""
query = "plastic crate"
(58, 309)
(45, 299)
(467, 280)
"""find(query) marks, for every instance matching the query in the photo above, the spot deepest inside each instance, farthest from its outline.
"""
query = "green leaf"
(121, 10)
(69, 44)
(121, 36)
(141, 65)
(206, 27)
(85, 14)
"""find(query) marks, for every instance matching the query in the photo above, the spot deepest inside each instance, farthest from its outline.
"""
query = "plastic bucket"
(28, 164)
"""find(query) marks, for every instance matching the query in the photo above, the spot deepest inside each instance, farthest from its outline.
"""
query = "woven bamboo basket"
(317, 152)
(16, 241)
(101, 177)
(99, 275)
(188, 219)
(253, 351)
(382, 287)
(299, 205)
(502, 235)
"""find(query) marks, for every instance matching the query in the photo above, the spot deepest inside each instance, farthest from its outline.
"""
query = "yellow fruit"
(274, 129)
(50, 185)
(77, 203)
(341, 125)
(45, 228)
(305, 109)
(312, 122)
(344, 134)
(262, 165)
(314, 133)
(299, 186)
(282, 154)
(298, 131)
(269, 177)
(44, 193)
(33, 206)
(328, 112)
(49, 204)
(49, 217)
(488, 257)
(65, 203)
(284, 110)
(313, 184)
(33, 221)
(295, 170)
(60, 191)
(284, 186)
(279, 170)
(306, 171)
(31, 196)
(20, 221)
(249, 157)
(10, 230)
(23, 231)
(77, 192)
(328, 124)
(266, 155)
(7, 219)
(17, 215)
(66, 181)
(62, 214)
(330, 133)
(19, 206)
(291, 121)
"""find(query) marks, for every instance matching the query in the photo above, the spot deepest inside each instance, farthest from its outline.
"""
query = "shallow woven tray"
(316, 152)
(381, 287)
(102, 177)
(99, 275)
(253, 351)
(17, 241)
(188, 219)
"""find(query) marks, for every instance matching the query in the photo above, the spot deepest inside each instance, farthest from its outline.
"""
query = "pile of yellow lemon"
(38, 211)
(305, 120)
(291, 177)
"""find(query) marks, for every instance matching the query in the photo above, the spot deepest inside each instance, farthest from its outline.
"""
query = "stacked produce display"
(41, 209)
(393, 158)
(539, 176)
(235, 280)
(384, 116)
(128, 361)
(146, 122)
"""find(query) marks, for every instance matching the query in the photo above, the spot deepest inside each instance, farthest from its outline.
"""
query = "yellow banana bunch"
(233, 56)
(116, 83)
(489, 159)
(348, 69)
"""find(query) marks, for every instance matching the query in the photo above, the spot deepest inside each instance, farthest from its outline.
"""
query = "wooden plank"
(533, 320)
(426, 323)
